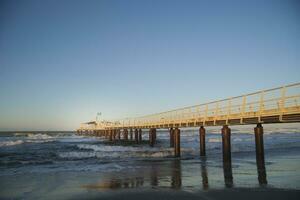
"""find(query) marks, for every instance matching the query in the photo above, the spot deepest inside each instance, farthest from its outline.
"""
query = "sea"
(63, 165)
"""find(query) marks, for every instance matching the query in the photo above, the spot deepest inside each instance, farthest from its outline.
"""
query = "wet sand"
(237, 193)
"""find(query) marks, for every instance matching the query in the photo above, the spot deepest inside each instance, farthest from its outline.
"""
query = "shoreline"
(232, 193)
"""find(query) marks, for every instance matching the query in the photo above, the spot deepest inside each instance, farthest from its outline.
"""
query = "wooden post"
(226, 146)
(136, 136)
(125, 134)
(110, 135)
(260, 154)
(202, 141)
(226, 133)
(140, 135)
(114, 134)
(171, 137)
(177, 142)
(131, 134)
(152, 136)
(119, 134)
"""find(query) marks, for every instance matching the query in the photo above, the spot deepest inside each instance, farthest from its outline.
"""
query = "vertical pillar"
(125, 134)
(152, 136)
(118, 134)
(226, 134)
(131, 134)
(226, 146)
(171, 137)
(140, 135)
(110, 135)
(177, 142)
(136, 136)
(260, 154)
(202, 141)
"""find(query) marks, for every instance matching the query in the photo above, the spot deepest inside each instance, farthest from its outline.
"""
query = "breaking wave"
(10, 143)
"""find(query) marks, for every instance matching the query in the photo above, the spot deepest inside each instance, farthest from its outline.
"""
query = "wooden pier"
(277, 105)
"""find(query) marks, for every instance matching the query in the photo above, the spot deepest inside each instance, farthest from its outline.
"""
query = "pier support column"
(260, 154)
(226, 144)
(171, 137)
(152, 136)
(119, 134)
(226, 133)
(110, 135)
(202, 141)
(114, 134)
(177, 142)
(140, 135)
(125, 134)
(136, 136)
(131, 134)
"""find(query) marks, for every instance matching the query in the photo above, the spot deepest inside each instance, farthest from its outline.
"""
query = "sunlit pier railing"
(279, 104)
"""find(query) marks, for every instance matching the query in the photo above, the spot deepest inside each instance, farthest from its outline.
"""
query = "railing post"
(282, 102)
(242, 114)
(261, 106)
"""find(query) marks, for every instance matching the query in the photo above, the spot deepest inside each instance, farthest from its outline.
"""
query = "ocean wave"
(10, 143)
(39, 136)
(215, 140)
(169, 152)
(102, 148)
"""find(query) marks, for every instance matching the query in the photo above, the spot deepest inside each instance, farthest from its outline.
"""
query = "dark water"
(62, 165)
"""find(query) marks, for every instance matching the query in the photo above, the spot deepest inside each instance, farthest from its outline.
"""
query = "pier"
(277, 105)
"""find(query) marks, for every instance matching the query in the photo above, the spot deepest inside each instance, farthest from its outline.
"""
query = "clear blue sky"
(62, 61)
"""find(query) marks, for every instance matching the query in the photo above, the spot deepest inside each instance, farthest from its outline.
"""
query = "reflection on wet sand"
(261, 170)
(118, 183)
(173, 172)
(204, 173)
(227, 169)
(176, 174)
(154, 176)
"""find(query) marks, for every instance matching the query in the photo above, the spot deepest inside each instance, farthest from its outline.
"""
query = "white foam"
(10, 143)
(107, 148)
(214, 140)
(39, 136)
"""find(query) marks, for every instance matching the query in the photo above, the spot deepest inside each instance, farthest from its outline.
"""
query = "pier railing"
(260, 106)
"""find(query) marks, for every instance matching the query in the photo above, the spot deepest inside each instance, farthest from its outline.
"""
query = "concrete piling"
(110, 135)
(125, 134)
(177, 142)
(131, 134)
(202, 141)
(260, 154)
(136, 136)
(226, 146)
(152, 136)
(119, 134)
(171, 137)
(140, 135)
